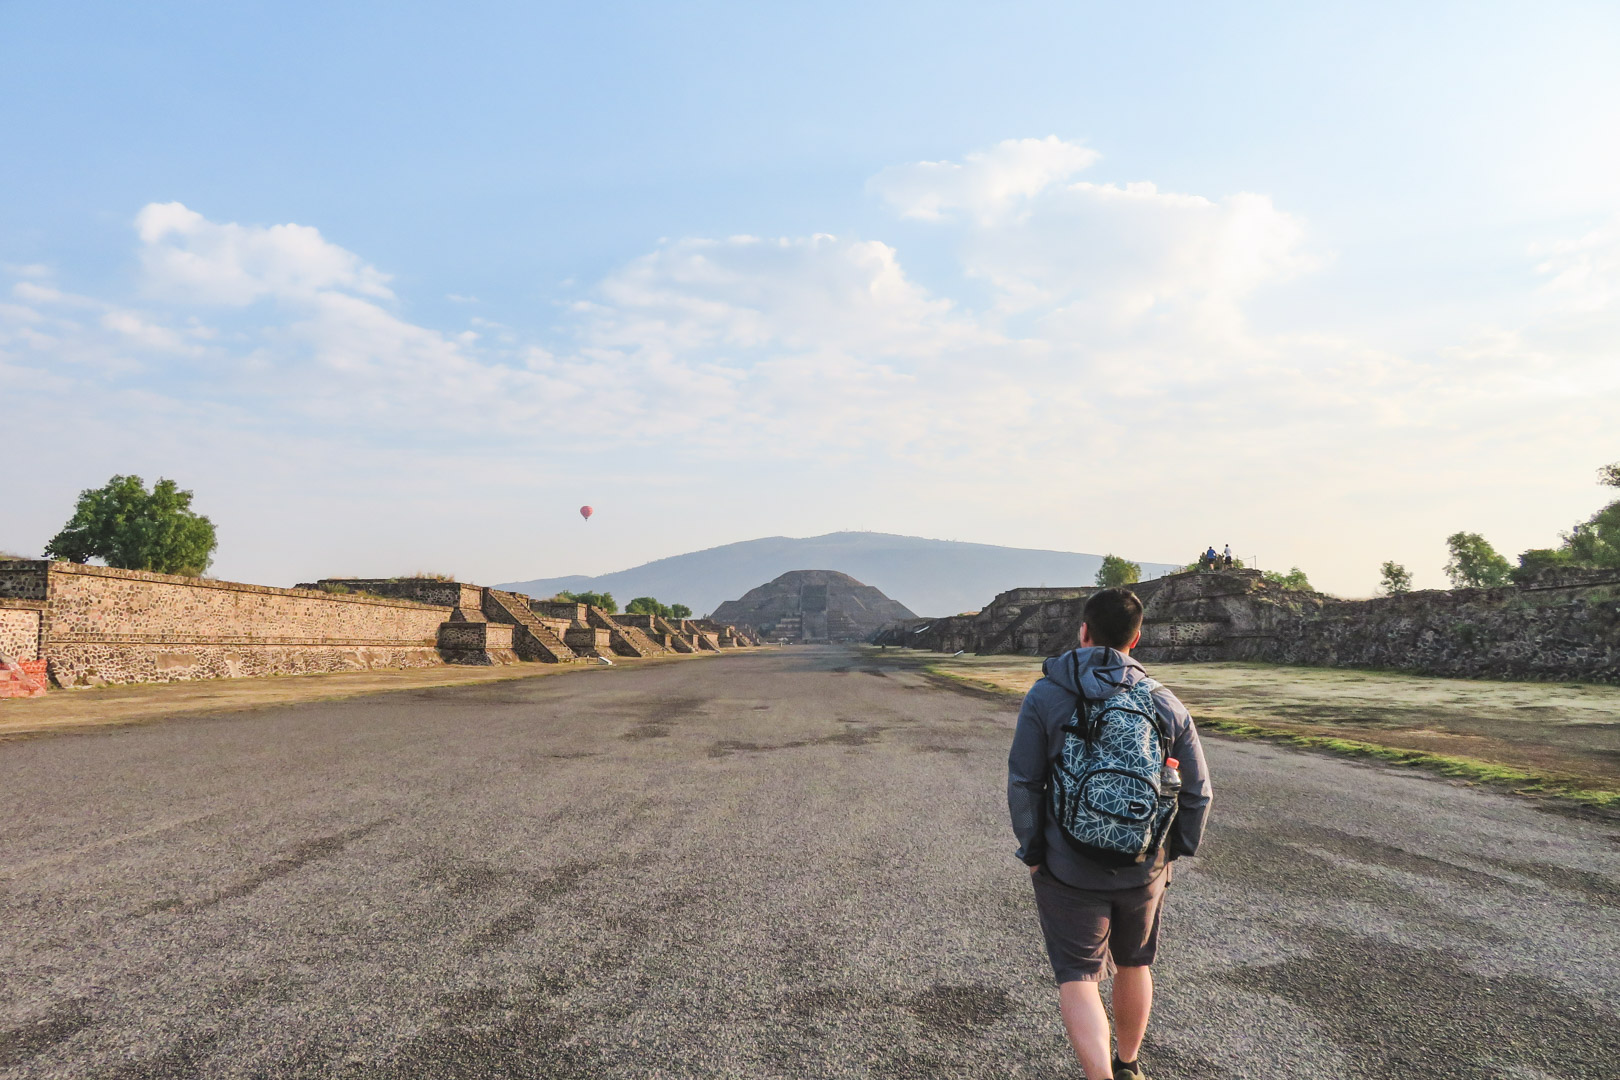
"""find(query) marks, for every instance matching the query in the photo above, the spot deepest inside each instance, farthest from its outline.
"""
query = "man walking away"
(1091, 788)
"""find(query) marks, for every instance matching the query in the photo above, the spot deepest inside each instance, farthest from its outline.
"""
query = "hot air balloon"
(586, 512)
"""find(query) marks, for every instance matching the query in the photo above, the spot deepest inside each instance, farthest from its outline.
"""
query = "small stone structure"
(594, 632)
(812, 606)
(19, 628)
(1564, 625)
(90, 625)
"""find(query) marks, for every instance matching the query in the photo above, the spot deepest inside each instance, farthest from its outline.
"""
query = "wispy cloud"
(1113, 341)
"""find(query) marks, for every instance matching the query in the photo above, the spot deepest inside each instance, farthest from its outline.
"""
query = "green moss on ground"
(1521, 779)
(1525, 781)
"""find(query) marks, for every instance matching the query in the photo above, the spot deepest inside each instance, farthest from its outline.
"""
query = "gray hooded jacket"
(1038, 742)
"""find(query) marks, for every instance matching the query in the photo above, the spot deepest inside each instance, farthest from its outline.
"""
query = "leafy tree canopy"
(603, 600)
(1116, 571)
(131, 528)
(1594, 542)
(1395, 579)
(1295, 579)
(647, 605)
(1474, 563)
(1535, 560)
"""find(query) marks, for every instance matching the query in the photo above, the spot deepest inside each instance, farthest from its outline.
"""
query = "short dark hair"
(1114, 616)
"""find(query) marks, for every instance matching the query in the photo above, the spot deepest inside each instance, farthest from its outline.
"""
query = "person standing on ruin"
(1227, 557)
(1099, 910)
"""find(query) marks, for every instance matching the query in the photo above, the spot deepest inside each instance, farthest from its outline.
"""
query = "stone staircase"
(680, 642)
(1006, 640)
(626, 640)
(531, 638)
(706, 641)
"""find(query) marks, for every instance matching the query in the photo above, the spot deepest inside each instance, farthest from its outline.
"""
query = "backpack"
(1106, 793)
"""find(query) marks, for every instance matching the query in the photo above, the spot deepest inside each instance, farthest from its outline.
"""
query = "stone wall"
(1547, 632)
(22, 579)
(1222, 615)
(452, 594)
(1030, 621)
(94, 625)
(477, 643)
(104, 625)
(19, 628)
(1562, 626)
(574, 614)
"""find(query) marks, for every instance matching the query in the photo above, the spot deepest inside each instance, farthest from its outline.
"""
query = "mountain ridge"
(936, 577)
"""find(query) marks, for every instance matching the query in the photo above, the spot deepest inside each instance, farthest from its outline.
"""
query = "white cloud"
(745, 293)
(1583, 274)
(988, 185)
(40, 294)
(189, 258)
(141, 332)
(1096, 259)
(27, 270)
(1116, 352)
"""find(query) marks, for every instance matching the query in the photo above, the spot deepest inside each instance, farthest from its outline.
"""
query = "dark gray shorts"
(1089, 932)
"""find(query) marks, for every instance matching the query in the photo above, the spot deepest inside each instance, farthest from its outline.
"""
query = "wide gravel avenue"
(777, 864)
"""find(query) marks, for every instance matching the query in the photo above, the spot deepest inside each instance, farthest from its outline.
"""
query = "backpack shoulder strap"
(1160, 725)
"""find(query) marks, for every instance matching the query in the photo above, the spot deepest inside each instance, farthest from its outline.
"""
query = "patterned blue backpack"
(1106, 788)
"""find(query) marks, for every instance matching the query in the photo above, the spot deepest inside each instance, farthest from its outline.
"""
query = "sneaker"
(1133, 1071)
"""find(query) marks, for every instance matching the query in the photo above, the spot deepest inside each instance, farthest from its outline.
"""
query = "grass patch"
(978, 684)
(1249, 701)
(1525, 781)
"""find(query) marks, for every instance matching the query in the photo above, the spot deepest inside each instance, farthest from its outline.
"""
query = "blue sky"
(398, 287)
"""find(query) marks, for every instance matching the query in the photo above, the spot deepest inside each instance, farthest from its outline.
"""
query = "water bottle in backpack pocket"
(1114, 788)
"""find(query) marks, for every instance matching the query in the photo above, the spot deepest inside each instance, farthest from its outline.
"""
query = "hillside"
(932, 577)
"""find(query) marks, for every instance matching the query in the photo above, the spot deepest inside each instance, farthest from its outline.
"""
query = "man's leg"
(1086, 1021)
(1133, 943)
(1133, 1001)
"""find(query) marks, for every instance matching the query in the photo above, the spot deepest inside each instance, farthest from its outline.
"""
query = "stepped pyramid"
(812, 606)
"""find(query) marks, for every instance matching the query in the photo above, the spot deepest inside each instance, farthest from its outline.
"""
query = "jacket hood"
(1095, 673)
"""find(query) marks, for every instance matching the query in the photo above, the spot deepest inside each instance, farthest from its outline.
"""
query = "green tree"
(1295, 579)
(1474, 563)
(603, 600)
(134, 529)
(1596, 542)
(1535, 560)
(1395, 579)
(648, 605)
(1116, 571)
